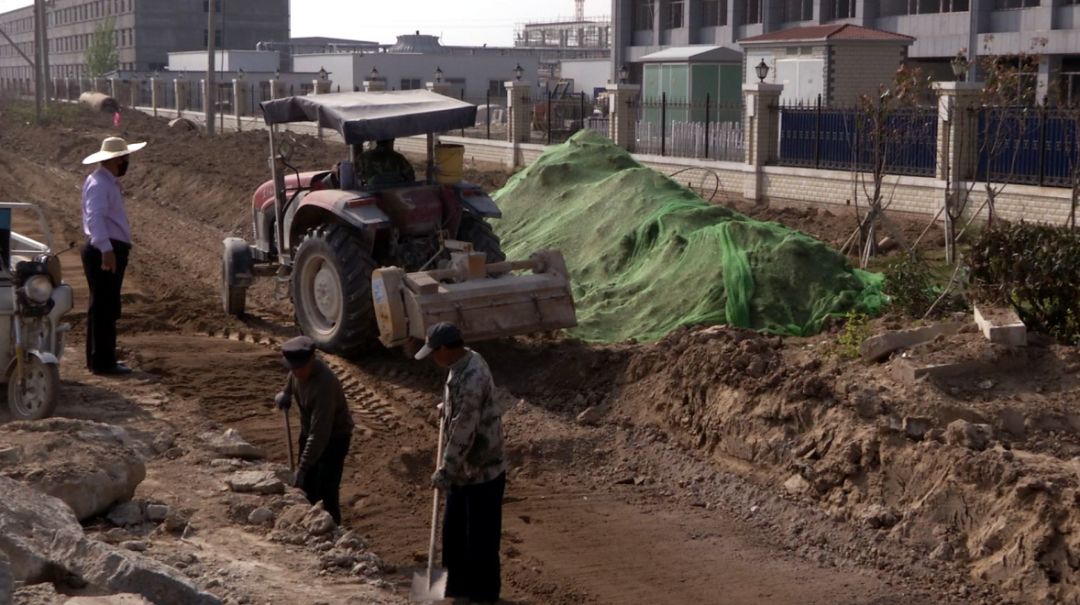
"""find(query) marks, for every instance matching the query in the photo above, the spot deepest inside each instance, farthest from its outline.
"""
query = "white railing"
(687, 140)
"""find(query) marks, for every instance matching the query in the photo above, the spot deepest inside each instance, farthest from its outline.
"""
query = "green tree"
(101, 56)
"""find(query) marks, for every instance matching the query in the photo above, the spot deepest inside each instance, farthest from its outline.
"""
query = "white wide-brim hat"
(113, 147)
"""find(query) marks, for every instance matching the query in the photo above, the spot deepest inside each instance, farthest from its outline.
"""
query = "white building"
(588, 75)
(251, 61)
(474, 75)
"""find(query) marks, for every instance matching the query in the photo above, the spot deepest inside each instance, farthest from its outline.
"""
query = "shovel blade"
(427, 589)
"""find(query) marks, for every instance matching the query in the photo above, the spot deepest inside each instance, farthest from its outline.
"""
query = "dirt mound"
(952, 489)
(647, 255)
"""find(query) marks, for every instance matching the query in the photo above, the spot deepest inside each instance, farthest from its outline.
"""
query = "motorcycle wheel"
(39, 392)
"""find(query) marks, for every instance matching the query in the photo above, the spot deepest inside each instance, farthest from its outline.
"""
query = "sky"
(458, 22)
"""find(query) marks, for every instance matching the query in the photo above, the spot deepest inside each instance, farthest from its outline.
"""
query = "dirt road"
(612, 513)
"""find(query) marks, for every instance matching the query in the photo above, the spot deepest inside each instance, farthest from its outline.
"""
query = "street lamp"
(322, 74)
(240, 74)
(519, 72)
(624, 74)
(959, 66)
(438, 75)
(374, 75)
(762, 70)
(277, 74)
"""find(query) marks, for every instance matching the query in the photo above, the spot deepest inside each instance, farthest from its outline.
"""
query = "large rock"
(232, 445)
(41, 537)
(88, 465)
(116, 599)
(7, 582)
(972, 436)
(256, 482)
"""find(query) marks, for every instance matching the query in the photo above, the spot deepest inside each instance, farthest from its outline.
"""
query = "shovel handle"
(288, 440)
(435, 501)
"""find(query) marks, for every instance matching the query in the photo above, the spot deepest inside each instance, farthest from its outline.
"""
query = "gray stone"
(916, 427)
(37, 594)
(261, 516)
(116, 599)
(128, 513)
(232, 445)
(796, 484)
(965, 434)
(943, 552)
(89, 465)
(1002, 326)
(40, 535)
(877, 348)
(7, 581)
(256, 482)
(157, 512)
(135, 545)
(311, 520)
(350, 540)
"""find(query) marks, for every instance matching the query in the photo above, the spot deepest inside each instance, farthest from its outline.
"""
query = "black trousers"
(323, 481)
(104, 308)
(472, 529)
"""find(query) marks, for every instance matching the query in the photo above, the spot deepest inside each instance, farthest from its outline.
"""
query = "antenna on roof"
(580, 9)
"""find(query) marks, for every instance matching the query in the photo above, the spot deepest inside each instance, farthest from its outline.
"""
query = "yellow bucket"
(449, 163)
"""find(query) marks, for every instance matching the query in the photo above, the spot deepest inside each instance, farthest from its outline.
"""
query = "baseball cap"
(296, 352)
(439, 335)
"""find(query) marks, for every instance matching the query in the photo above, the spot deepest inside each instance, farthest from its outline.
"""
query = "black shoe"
(117, 370)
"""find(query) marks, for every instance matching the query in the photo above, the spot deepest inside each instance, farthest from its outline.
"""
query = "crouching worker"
(326, 424)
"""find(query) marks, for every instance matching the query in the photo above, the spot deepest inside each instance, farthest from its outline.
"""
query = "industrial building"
(415, 58)
(940, 28)
(145, 30)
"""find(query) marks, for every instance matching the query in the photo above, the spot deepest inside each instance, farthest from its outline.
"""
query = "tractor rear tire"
(483, 238)
(236, 259)
(331, 291)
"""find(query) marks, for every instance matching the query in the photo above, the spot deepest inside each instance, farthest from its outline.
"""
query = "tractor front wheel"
(331, 291)
(483, 238)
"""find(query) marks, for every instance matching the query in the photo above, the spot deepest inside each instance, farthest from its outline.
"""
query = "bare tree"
(884, 123)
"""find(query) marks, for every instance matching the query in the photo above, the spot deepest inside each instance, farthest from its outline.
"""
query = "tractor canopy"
(374, 116)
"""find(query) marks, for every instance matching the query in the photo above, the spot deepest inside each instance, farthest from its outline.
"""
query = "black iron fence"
(846, 138)
(559, 115)
(704, 129)
(1032, 145)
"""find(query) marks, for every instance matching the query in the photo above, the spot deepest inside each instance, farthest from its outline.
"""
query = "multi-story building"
(145, 32)
(941, 28)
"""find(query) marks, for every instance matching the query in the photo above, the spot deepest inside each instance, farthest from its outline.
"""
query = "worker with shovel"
(326, 424)
(471, 469)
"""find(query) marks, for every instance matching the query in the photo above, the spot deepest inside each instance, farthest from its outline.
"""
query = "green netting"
(647, 255)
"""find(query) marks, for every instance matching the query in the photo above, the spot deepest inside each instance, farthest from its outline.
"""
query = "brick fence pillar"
(761, 132)
(957, 129)
(322, 87)
(622, 114)
(519, 109)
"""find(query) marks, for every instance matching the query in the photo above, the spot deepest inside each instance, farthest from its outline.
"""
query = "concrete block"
(879, 347)
(1001, 326)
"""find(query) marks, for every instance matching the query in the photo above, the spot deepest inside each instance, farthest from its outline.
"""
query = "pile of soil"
(647, 255)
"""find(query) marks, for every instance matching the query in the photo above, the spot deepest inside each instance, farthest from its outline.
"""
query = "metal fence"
(845, 138)
(1027, 145)
(692, 129)
(558, 115)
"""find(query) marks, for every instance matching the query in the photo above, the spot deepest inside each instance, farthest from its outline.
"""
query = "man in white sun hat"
(105, 255)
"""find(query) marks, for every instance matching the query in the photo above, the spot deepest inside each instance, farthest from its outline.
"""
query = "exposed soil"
(721, 466)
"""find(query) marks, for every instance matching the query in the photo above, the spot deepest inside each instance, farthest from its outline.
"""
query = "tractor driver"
(382, 165)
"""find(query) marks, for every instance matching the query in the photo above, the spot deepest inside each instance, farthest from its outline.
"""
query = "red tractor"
(327, 232)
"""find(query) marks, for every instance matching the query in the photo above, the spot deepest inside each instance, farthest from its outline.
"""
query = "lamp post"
(519, 72)
(959, 65)
(374, 75)
(322, 74)
(438, 75)
(762, 70)
(624, 74)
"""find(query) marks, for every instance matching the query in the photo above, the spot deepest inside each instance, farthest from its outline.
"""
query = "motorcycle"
(33, 300)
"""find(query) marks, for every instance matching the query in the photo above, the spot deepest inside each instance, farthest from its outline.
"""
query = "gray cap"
(296, 352)
(438, 336)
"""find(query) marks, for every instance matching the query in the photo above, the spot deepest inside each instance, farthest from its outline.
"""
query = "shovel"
(431, 586)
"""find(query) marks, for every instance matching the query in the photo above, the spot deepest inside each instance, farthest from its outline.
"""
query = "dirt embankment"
(976, 475)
